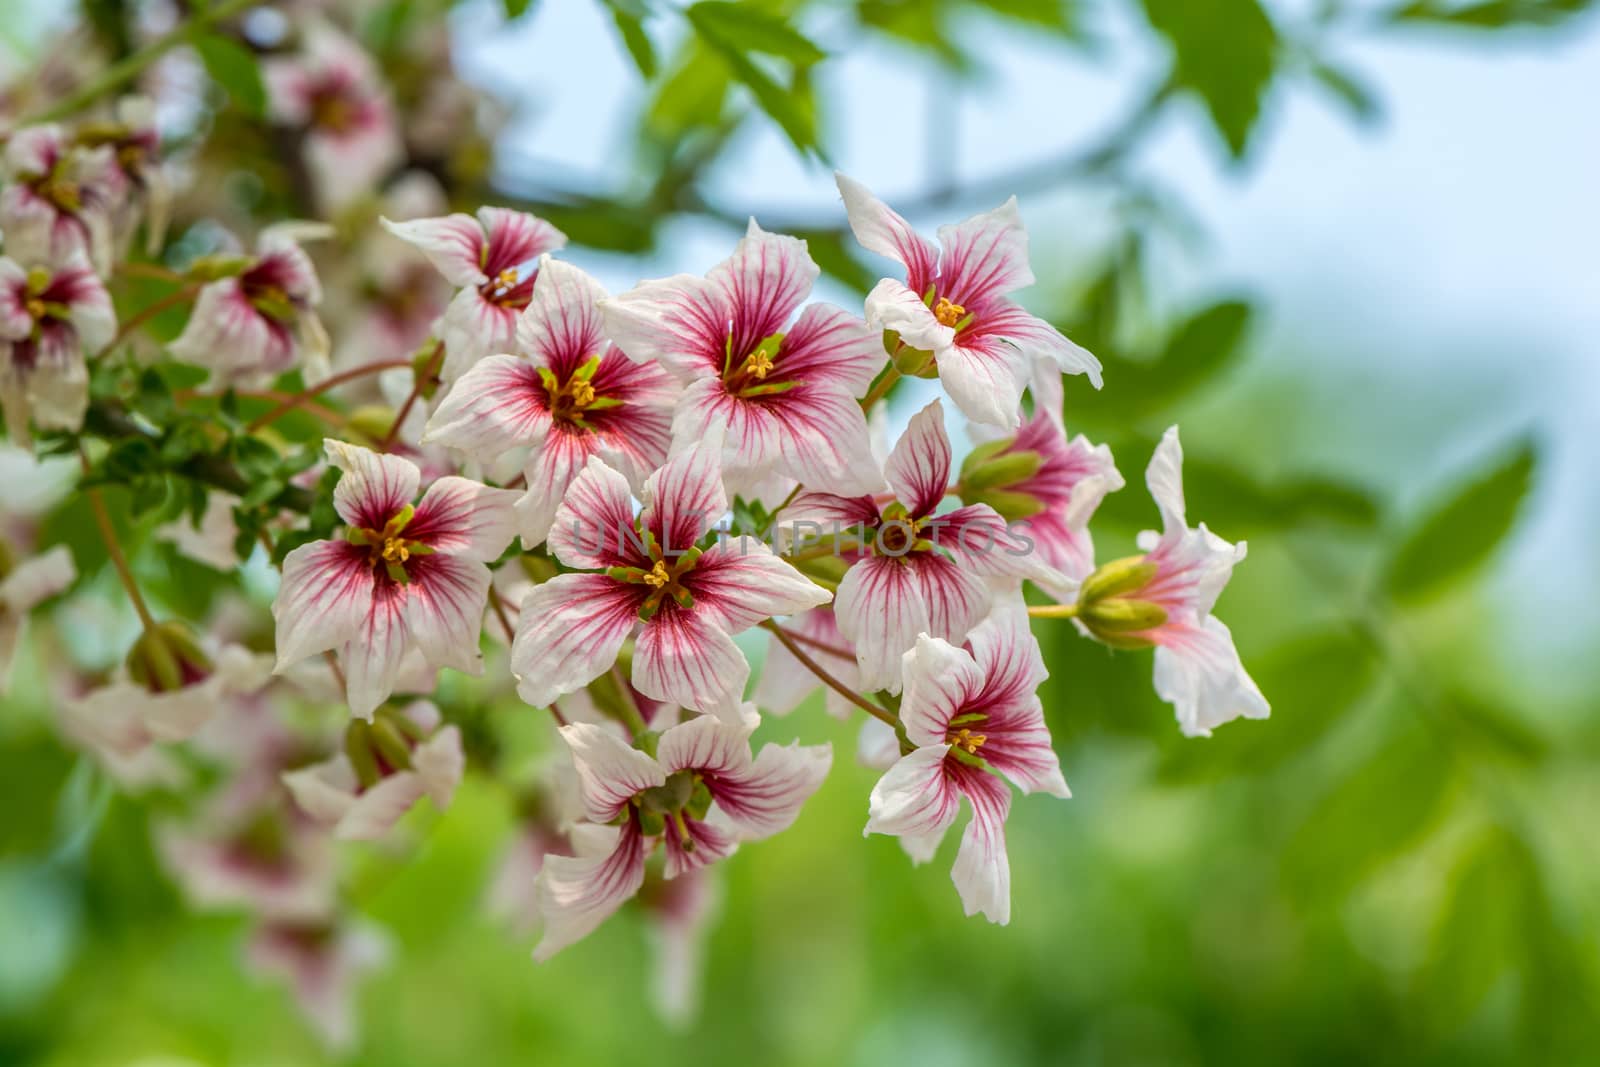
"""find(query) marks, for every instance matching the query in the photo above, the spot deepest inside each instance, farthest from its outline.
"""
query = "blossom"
(173, 686)
(48, 316)
(974, 715)
(1049, 484)
(494, 259)
(567, 395)
(691, 600)
(782, 396)
(404, 577)
(260, 318)
(137, 173)
(211, 539)
(322, 962)
(23, 587)
(921, 572)
(954, 303)
(1164, 598)
(385, 768)
(332, 91)
(261, 857)
(698, 796)
(60, 199)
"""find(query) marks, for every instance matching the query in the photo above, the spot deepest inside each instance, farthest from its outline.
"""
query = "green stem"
(881, 389)
(119, 74)
(108, 534)
(1054, 611)
(883, 715)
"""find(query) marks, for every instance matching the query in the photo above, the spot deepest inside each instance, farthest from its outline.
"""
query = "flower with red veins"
(566, 395)
(920, 571)
(138, 175)
(322, 962)
(679, 910)
(59, 199)
(259, 318)
(24, 585)
(1049, 486)
(698, 796)
(49, 316)
(331, 90)
(1164, 598)
(387, 765)
(651, 570)
(785, 681)
(405, 576)
(263, 857)
(493, 260)
(781, 396)
(954, 303)
(974, 715)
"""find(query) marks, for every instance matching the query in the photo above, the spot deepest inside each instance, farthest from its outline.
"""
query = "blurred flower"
(385, 768)
(174, 686)
(699, 795)
(140, 178)
(1164, 598)
(322, 961)
(406, 576)
(567, 395)
(49, 315)
(258, 317)
(692, 601)
(211, 540)
(265, 859)
(680, 910)
(954, 303)
(494, 259)
(781, 398)
(60, 199)
(971, 712)
(24, 585)
(926, 572)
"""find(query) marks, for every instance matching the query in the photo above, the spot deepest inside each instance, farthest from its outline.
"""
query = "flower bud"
(380, 747)
(372, 421)
(915, 362)
(1109, 614)
(214, 268)
(1117, 577)
(989, 474)
(167, 657)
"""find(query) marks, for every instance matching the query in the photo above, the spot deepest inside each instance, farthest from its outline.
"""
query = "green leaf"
(1491, 14)
(515, 9)
(1464, 531)
(1198, 352)
(630, 27)
(745, 28)
(1350, 90)
(1225, 52)
(234, 67)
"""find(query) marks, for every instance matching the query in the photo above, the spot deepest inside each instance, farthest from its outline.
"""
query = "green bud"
(390, 743)
(372, 421)
(823, 568)
(215, 268)
(8, 562)
(1115, 578)
(359, 751)
(983, 453)
(1011, 506)
(916, 363)
(1116, 615)
(167, 657)
(1000, 471)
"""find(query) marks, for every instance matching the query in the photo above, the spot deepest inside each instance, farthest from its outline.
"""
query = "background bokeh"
(1350, 248)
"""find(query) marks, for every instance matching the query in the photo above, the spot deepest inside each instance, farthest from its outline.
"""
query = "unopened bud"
(1117, 615)
(999, 471)
(1120, 576)
(8, 562)
(372, 421)
(168, 657)
(215, 268)
(1011, 506)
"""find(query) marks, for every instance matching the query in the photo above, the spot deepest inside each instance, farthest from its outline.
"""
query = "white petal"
(892, 306)
(323, 600)
(371, 658)
(881, 610)
(569, 631)
(685, 657)
(743, 583)
(495, 406)
(914, 796)
(376, 810)
(919, 467)
(454, 245)
(466, 519)
(375, 486)
(982, 872)
(1202, 678)
(444, 605)
(940, 682)
(610, 773)
(578, 893)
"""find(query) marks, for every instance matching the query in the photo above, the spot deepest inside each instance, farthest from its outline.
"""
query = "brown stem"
(881, 390)
(171, 300)
(500, 612)
(305, 395)
(426, 374)
(108, 534)
(882, 714)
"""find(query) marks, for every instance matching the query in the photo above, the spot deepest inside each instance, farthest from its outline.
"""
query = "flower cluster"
(587, 500)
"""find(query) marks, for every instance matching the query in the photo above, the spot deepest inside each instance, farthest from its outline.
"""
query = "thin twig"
(305, 395)
(108, 534)
(880, 713)
(427, 374)
(171, 300)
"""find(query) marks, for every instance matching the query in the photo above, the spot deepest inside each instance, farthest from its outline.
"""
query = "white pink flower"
(322, 962)
(260, 320)
(494, 260)
(49, 316)
(386, 768)
(974, 715)
(698, 796)
(1175, 585)
(60, 200)
(566, 395)
(919, 571)
(954, 303)
(24, 586)
(780, 395)
(331, 90)
(651, 569)
(195, 688)
(262, 858)
(406, 576)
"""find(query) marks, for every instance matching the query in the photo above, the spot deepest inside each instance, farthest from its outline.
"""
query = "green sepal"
(1115, 578)
(358, 750)
(548, 377)
(397, 572)
(764, 389)
(999, 471)
(587, 371)
(602, 403)
(391, 743)
(1009, 505)
(1117, 615)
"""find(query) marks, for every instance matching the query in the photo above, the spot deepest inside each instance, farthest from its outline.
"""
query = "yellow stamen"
(507, 279)
(966, 739)
(657, 576)
(948, 313)
(582, 393)
(35, 308)
(759, 364)
(395, 550)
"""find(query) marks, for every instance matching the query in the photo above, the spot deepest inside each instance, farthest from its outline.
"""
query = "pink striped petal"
(229, 336)
(1198, 672)
(516, 238)
(1017, 742)
(454, 244)
(825, 510)
(445, 601)
(684, 498)
(708, 745)
(679, 322)
(764, 280)
(1009, 323)
(918, 469)
(982, 872)
(914, 798)
(497, 405)
(15, 321)
(829, 345)
(941, 682)
(684, 657)
(984, 258)
(708, 844)
(985, 377)
(371, 657)
(740, 582)
(374, 488)
(569, 631)
(955, 597)
(766, 799)
(893, 306)
(880, 229)
(610, 773)
(375, 811)
(465, 518)
(324, 598)
(578, 893)
(881, 610)
(561, 328)
(552, 467)
(593, 527)
(471, 328)
(983, 544)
